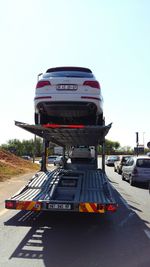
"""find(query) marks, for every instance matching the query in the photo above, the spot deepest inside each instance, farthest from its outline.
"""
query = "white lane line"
(125, 203)
(147, 232)
(123, 222)
(3, 212)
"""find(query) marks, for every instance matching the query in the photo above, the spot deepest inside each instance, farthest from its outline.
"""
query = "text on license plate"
(67, 87)
(59, 206)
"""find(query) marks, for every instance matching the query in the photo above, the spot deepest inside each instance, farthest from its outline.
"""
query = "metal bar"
(103, 157)
(44, 155)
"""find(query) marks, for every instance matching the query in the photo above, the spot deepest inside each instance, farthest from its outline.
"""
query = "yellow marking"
(30, 206)
(89, 208)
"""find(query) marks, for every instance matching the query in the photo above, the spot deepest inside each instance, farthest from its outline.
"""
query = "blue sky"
(111, 37)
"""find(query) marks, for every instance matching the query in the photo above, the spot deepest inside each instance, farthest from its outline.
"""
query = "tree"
(110, 147)
(25, 147)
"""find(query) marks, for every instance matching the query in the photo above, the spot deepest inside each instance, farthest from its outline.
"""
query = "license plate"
(59, 206)
(67, 87)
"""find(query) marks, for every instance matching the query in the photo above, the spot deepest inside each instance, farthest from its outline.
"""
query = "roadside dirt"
(12, 166)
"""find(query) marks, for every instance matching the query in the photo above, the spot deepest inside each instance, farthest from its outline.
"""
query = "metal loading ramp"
(68, 135)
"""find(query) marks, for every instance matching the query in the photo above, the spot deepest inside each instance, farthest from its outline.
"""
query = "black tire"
(115, 170)
(36, 118)
(100, 120)
(132, 183)
(119, 171)
(123, 179)
(43, 119)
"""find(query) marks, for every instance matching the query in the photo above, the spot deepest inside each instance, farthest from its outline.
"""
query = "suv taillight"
(135, 171)
(42, 84)
(94, 84)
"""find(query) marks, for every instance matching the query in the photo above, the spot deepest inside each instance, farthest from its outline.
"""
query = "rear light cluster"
(10, 204)
(42, 84)
(135, 171)
(94, 84)
(107, 207)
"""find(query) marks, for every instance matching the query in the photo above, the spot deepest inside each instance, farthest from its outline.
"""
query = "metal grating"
(66, 136)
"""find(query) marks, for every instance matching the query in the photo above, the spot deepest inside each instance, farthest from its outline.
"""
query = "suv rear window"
(77, 72)
(143, 163)
(73, 74)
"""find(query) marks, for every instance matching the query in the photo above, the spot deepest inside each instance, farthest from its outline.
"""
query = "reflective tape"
(28, 205)
(91, 207)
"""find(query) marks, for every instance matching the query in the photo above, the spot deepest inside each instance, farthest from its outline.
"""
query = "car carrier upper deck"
(79, 186)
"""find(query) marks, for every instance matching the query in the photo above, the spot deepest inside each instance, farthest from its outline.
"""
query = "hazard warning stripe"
(90, 207)
(28, 205)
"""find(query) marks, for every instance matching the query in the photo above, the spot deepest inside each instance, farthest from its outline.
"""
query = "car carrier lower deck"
(79, 186)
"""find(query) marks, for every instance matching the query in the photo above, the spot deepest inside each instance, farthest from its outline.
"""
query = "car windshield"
(143, 163)
(124, 159)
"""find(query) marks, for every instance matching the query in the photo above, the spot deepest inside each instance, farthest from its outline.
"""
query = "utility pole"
(137, 143)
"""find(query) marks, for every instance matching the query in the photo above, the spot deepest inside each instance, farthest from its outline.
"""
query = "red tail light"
(94, 84)
(55, 126)
(42, 84)
(111, 207)
(10, 204)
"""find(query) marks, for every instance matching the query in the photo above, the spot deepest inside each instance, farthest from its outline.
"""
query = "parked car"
(120, 163)
(137, 170)
(68, 95)
(111, 159)
(26, 157)
(58, 161)
(51, 159)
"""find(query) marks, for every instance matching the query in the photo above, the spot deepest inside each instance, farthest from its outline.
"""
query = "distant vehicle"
(68, 95)
(148, 154)
(51, 159)
(137, 170)
(26, 157)
(111, 160)
(58, 150)
(83, 152)
(59, 161)
(120, 163)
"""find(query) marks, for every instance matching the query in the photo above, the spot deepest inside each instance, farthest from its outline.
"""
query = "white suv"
(68, 95)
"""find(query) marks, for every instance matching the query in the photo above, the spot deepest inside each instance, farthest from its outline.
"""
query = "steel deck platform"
(68, 187)
(68, 135)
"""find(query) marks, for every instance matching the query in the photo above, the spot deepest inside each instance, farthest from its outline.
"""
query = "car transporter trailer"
(75, 187)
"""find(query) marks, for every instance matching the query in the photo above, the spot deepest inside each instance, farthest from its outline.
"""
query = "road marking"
(3, 212)
(147, 232)
(126, 219)
(125, 203)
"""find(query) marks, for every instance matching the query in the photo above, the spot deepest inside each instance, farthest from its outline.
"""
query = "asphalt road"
(120, 239)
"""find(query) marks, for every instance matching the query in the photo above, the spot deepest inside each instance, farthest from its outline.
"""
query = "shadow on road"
(84, 240)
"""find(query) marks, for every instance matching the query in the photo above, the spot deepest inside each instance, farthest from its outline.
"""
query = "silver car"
(137, 170)
(111, 159)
